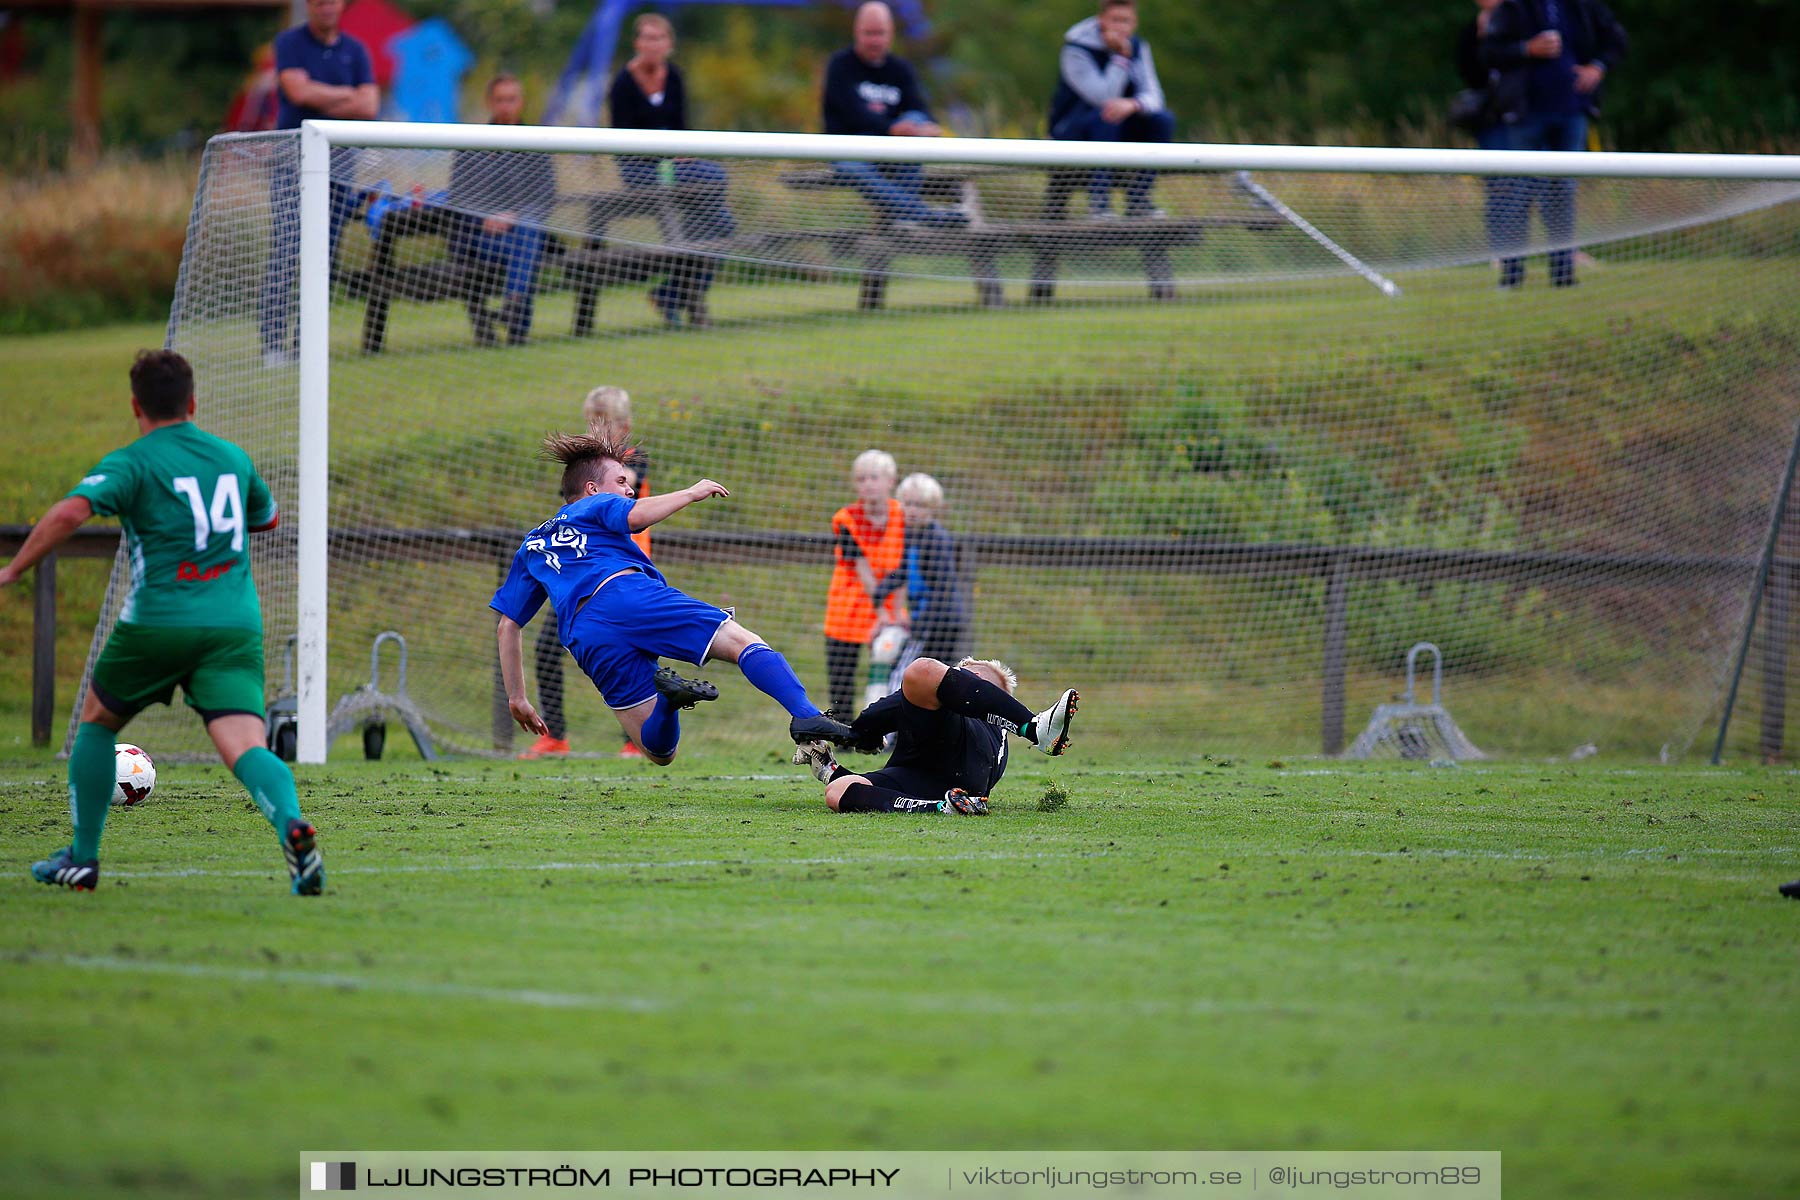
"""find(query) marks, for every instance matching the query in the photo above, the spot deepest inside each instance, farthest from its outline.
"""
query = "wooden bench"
(587, 266)
(1048, 238)
(594, 261)
(382, 281)
(599, 263)
(938, 185)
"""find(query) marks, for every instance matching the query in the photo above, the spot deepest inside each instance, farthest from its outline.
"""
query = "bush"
(1204, 469)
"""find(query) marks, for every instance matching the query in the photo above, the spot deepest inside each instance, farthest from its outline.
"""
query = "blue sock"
(662, 729)
(769, 672)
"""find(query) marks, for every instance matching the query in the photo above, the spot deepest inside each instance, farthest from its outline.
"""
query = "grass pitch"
(1589, 970)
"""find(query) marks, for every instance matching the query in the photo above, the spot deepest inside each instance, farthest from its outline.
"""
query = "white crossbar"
(1022, 152)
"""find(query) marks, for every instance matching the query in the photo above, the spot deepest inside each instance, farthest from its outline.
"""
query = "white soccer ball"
(133, 777)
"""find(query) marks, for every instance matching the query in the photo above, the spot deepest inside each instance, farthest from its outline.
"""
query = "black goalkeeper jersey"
(935, 749)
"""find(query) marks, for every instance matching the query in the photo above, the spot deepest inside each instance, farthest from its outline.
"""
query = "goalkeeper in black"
(950, 750)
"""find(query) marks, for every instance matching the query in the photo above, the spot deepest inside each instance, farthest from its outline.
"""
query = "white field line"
(530, 997)
(963, 1003)
(1213, 852)
(456, 868)
(1584, 774)
(634, 775)
(1251, 770)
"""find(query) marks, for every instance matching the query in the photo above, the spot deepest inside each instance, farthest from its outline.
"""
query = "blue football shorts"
(630, 623)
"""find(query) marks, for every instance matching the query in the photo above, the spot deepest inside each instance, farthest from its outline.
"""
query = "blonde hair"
(607, 406)
(921, 488)
(997, 667)
(654, 21)
(879, 461)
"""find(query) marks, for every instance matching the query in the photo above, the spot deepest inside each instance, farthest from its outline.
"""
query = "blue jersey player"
(617, 614)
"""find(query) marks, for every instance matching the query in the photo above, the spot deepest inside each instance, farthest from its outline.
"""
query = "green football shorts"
(220, 671)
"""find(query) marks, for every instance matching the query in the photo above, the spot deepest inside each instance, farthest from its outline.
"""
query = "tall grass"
(94, 246)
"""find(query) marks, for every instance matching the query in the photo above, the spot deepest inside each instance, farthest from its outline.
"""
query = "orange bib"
(849, 615)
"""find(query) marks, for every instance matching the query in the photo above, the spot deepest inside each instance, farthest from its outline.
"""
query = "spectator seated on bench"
(650, 93)
(870, 91)
(1108, 92)
(501, 204)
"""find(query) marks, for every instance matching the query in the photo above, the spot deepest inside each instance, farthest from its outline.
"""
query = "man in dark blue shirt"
(321, 73)
(1552, 56)
(871, 91)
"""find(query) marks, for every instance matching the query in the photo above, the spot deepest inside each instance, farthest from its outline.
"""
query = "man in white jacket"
(1108, 92)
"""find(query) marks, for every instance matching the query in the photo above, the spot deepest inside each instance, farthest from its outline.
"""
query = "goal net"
(1215, 446)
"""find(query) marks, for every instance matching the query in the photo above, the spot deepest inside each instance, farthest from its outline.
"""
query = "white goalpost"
(1332, 476)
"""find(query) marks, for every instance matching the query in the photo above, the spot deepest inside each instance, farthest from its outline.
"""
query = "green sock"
(270, 784)
(91, 780)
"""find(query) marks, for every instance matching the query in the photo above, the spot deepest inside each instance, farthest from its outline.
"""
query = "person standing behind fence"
(871, 91)
(1108, 92)
(503, 202)
(649, 93)
(321, 73)
(931, 573)
(1552, 57)
(1489, 132)
(607, 414)
(870, 538)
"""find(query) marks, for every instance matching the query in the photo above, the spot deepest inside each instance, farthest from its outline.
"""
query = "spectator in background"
(870, 90)
(321, 73)
(255, 107)
(1552, 57)
(1490, 132)
(932, 576)
(870, 538)
(501, 204)
(1108, 92)
(607, 414)
(649, 93)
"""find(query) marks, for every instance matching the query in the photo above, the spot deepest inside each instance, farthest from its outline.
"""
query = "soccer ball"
(134, 775)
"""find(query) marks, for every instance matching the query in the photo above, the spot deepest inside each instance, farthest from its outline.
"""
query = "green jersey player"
(186, 501)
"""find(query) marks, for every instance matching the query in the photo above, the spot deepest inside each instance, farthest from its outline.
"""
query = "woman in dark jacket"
(649, 93)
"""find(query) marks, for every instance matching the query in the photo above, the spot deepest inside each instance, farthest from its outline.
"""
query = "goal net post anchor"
(1413, 730)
